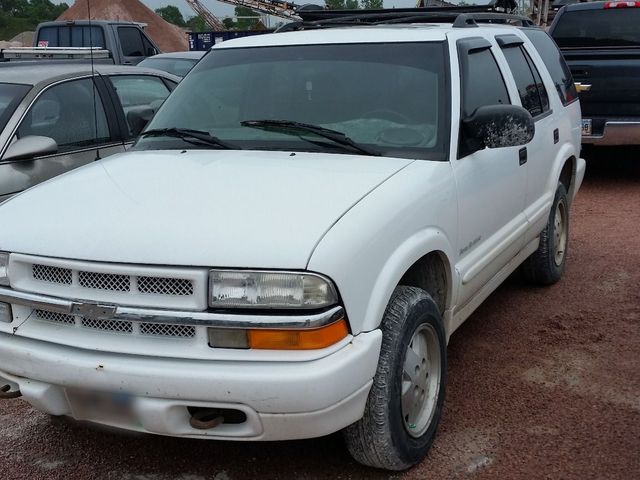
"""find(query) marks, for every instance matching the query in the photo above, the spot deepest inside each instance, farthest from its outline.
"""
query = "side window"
(542, 90)
(65, 112)
(131, 42)
(139, 90)
(149, 49)
(482, 82)
(554, 62)
(523, 74)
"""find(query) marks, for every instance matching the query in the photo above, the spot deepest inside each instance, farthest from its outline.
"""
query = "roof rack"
(459, 17)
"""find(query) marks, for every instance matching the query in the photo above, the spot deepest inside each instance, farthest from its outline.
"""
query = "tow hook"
(6, 394)
(206, 419)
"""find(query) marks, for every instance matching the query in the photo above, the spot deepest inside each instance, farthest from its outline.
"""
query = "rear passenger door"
(65, 112)
(490, 182)
(541, 152)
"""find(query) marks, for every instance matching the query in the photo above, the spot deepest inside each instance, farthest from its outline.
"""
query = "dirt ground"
(543, 383)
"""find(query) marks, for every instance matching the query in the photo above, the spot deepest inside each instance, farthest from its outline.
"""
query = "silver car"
(177, 63)
(53, 118)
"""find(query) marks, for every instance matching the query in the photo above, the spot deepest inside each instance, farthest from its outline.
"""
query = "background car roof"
(192, 55)
(33, 73)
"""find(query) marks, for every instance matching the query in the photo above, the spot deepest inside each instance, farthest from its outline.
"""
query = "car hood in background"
(203, 208)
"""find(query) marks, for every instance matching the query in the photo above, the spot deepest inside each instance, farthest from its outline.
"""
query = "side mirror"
(26, 148)
(138, 118)
(498, 126)
(151, 52)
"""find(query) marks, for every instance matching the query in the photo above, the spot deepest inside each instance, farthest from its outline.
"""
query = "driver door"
(491, 183)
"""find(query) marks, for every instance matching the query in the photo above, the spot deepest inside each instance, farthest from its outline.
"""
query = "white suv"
(296, 235)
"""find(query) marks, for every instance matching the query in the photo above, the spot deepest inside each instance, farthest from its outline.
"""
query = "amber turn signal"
(298, 339)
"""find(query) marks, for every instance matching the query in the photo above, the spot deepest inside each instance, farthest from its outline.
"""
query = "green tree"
(197, 24)
(246, 23)
(172, 14)
(17, 16)
(372, 4)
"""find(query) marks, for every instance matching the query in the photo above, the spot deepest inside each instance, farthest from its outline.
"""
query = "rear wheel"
(405, 401)
(546, 265)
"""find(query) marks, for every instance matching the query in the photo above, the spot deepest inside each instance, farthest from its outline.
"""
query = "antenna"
(93, 82)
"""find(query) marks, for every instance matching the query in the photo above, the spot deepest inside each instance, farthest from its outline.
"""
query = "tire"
(546, 265)
(387, 436)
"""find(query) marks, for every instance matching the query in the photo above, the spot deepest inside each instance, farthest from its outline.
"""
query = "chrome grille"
(46, 273)
(55, 317)
(165, 286)
(105, 281)
(112, 282)
(117, 326)
(167, 330)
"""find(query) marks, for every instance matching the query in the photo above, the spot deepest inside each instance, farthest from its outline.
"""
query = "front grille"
(111, 282)
(116, 326)
(46, 273)
(55, 317)
(165, 286)
(105, 281)
(167, 330)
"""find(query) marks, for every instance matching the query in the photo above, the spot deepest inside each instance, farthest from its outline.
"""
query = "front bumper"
(616, 132)
(281, 400)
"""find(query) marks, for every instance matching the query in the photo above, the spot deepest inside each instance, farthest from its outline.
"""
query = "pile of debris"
(24, 39)
(168, 37)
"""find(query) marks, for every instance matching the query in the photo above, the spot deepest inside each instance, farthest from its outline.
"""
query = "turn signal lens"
(301, 339)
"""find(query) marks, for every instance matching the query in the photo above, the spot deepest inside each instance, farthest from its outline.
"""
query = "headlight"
(269, 289)
(4, 269)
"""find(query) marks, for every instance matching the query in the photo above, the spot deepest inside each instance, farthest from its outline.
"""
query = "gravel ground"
(543, 383)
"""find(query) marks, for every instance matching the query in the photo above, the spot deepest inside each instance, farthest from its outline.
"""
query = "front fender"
(370, 248)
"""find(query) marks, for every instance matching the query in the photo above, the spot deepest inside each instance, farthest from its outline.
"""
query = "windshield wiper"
(186, 134)
(296, 128)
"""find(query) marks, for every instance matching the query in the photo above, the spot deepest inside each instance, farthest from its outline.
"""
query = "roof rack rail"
(459, 17)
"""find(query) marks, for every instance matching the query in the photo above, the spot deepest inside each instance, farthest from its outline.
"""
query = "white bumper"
(281, 400)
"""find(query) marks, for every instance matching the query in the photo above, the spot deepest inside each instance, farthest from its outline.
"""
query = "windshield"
(10, 96)
(614, 27)
(389, 98)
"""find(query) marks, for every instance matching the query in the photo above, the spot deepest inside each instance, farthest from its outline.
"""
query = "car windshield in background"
(175, 66)
(10, 96)
(614, 27)
(388, 98)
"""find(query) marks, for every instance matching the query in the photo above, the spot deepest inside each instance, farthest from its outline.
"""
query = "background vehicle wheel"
(405, 401)
(546, 265)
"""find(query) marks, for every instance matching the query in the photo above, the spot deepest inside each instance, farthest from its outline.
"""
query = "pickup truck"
(126, 43)
(296, 235)
(601, 43)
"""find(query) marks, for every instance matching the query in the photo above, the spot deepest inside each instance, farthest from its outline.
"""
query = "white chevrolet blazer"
(295, 236)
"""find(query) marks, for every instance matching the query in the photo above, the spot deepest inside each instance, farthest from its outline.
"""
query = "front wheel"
(405, 401)
(546, 265)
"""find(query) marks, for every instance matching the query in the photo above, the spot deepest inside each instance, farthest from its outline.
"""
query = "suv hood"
(200, 208)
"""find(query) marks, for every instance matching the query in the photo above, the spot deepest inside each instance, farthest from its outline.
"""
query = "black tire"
(542, 267)
(381, 438)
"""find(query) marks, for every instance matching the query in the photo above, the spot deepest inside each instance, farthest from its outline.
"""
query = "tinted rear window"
(614, 27)
(71, 36)
(554, 62)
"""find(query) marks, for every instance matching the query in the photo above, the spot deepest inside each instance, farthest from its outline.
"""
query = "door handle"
(522, 153)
